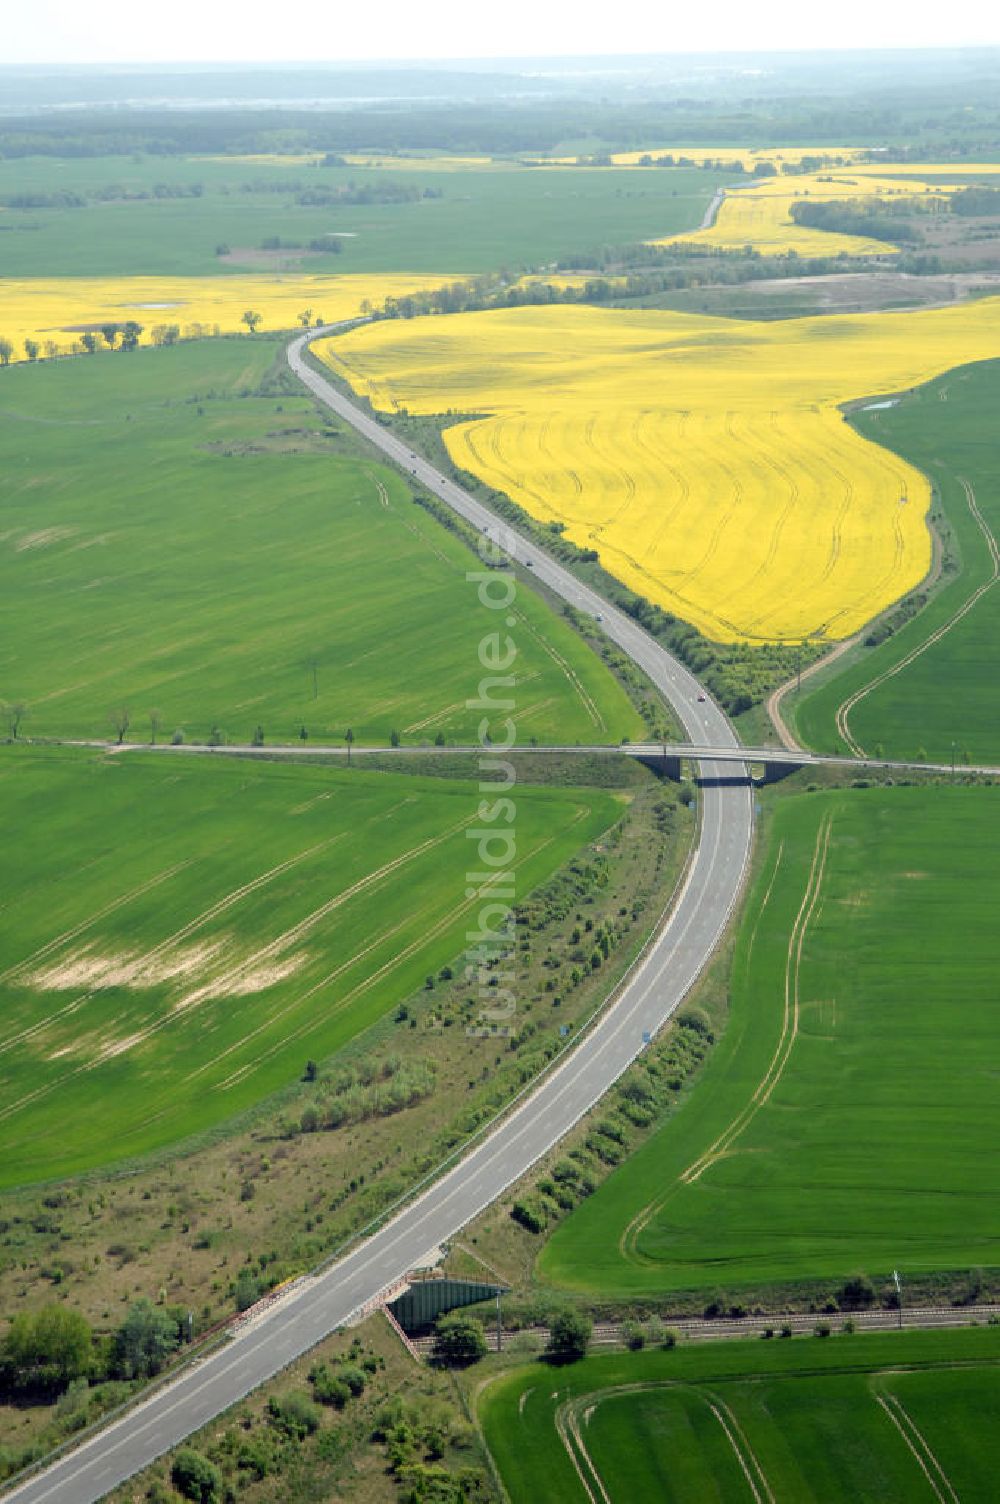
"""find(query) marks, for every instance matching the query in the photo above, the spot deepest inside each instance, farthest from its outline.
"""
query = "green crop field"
(172, 541)
(891, 1419)
(475, 220)
(934, 685)
(180, 933)
(848, 1119)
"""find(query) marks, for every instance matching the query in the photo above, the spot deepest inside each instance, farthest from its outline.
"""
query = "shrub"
(328, 1387)
(195, 1477)
(633, 1335)
(655, 1331)
(143, 1342)
(294, 1414)
(856, 1293)
(569, 1336)
(697, 1020)
(528, 1215)
(45, 1350)
(247, 1290)
(354, 1378)
(459, 1339)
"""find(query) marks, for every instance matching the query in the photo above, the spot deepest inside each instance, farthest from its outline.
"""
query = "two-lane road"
(653, 990)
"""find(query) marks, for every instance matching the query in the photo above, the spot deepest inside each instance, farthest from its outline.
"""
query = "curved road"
(652, 991)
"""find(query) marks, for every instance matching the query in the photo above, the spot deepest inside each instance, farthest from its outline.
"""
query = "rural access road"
(654, 988)
(792, 758)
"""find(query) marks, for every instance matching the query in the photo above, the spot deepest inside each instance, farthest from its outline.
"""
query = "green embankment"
(174, 541)
(942, 699)
(892, 1419)
(847, 1120)
(181, 933)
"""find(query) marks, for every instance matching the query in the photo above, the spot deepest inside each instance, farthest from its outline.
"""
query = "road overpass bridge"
(670, 756)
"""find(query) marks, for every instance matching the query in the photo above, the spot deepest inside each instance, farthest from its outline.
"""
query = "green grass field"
(947, 696)
(172, 541)
(848, 1117)
(484, 220)
(891, 1419)
(180, 933)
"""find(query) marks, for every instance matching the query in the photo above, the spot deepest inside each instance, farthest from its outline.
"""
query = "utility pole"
(899, 1296)
(499, 1326)
(953, 760)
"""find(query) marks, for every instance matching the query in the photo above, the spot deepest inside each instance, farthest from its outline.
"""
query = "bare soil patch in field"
(963, 241)
(270, 260)
(867, 292)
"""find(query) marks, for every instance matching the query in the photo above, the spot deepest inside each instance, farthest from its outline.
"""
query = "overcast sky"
(94, 31)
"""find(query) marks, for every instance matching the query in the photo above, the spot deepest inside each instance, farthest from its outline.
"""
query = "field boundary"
(846, 706)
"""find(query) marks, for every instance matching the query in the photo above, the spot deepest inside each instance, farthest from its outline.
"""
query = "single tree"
(303, 734)
(154, 725)
(459, 1339)
(251, 320)
(15, 714)
(130, 334)
(110, 334)
(305, 317)
(569, 1336)
(89, 342)
(121, 720)
(6, 352)
(32, 349)
(51, 349)
(143, 1342)
(349, 739)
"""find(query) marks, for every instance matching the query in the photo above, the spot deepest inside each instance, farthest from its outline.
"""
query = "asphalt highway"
(655, 987)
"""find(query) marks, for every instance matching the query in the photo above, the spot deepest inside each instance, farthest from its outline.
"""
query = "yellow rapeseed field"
(705, 459)
(54, 312)
(760, 215)
(746, 156)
